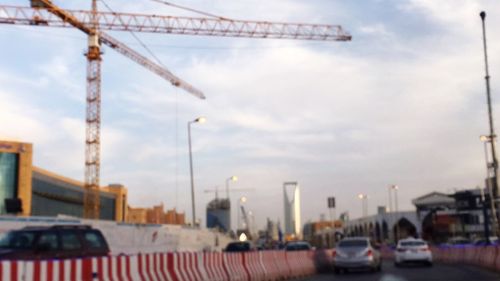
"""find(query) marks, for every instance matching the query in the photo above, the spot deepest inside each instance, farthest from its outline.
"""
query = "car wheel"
(336, 271)
(397, 264)
(379, 268)
(429, 264)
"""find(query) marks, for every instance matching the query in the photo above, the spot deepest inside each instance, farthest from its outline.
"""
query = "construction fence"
(175, 266)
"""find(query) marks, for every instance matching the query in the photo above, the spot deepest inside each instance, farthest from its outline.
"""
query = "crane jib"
(172, 24)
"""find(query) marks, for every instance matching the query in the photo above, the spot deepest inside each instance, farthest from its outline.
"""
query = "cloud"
(393, 106)
(448, 11)
(376, 29)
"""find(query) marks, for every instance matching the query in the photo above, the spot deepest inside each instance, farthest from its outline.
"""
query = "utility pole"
(494, 166)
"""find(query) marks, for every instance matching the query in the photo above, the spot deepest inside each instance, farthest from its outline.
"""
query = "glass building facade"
(219, 214)
(8, 178)
(65, 198)
(47, 194)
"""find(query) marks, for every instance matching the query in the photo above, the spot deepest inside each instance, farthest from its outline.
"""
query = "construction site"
(248, 140)
(34, 191)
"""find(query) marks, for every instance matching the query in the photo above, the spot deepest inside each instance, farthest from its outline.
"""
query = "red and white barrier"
(484, 256)
(9, 271)
(270, 268)
(281, 263)
(233, 263)
(294, 264)
(184, 266)
(253, 266)
(214, 267)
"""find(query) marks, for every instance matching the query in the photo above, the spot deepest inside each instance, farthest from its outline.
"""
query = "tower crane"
(94, 23)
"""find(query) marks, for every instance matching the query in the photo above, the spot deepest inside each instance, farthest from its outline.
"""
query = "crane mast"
(93, 22)
(91, 199)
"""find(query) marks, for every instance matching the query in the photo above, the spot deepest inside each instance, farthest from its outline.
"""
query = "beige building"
(137, 215)
(155, 215)
(44, 193)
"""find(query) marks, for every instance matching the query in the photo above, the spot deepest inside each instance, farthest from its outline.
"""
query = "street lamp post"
(389, 188)
(242, 200)
(396, 207)
(395, 188)
(197, 120)
(364, 202)
(492, 135)
(232, 178)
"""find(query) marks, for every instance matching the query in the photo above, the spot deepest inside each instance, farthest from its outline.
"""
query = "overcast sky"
(403, 103)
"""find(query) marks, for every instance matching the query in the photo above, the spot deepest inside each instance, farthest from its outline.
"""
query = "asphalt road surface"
(439, 272)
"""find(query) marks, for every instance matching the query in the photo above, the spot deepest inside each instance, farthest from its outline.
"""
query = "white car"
(412, 250)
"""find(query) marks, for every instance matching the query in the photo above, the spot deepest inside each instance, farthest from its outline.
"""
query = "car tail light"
(426, 249)
(334, 253)
(369, 253)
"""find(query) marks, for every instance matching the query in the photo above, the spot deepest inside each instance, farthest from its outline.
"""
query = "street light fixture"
(200, 120)
(232, 178)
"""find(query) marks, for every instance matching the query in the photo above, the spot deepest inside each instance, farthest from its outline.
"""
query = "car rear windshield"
(353, 243)
(94, 240)
(238, 247)
(18, 240)
(298, 247)
(413, 243)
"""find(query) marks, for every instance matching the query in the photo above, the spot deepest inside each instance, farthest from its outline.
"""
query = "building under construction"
(219, 214)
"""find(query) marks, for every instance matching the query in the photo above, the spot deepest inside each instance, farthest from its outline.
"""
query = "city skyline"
(403, 103)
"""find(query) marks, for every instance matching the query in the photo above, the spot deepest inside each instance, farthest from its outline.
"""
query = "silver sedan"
(356, 253)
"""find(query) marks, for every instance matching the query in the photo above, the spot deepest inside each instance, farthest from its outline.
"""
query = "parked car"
(298, 246)
(240, 246)
(412, 250)
(356, 253)
(53, 242)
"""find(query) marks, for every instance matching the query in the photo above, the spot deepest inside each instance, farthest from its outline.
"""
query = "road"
(439, 272)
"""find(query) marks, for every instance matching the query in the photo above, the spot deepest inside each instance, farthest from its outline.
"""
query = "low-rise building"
(322, 233)
(137, 215)
(450, 215)
(385, 226)
(32, 191)
(155, 215)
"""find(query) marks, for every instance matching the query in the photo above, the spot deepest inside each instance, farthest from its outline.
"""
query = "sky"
(403, 103)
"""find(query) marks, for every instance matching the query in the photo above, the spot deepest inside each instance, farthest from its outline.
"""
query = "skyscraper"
(292, 209)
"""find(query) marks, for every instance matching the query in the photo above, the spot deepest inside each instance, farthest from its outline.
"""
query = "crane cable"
(136, 37)
(176, 109)
(190, 9)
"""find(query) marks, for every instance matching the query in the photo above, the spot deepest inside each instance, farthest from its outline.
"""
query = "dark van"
(53, 242)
